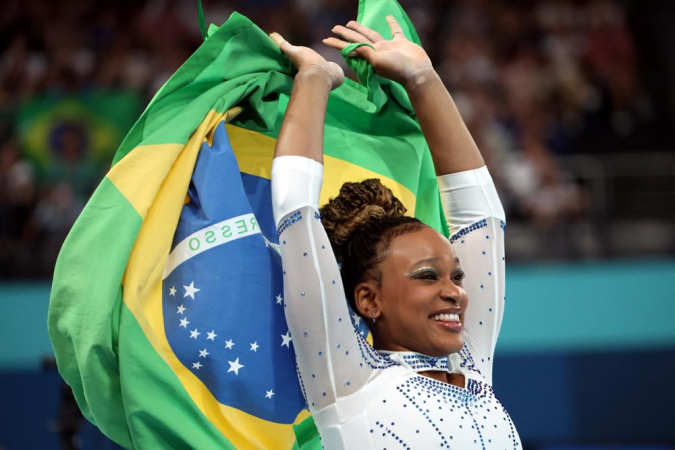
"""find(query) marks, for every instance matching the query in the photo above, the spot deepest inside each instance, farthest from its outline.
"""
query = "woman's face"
(420, 300)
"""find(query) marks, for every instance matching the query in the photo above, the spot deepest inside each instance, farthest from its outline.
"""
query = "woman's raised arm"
(301, 133)
(472, 208)
(332, 358)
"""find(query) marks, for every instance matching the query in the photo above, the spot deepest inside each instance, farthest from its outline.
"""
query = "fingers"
(395, 28)
(283, 44)
(277, 38)
(335, 43)
(371, 35)
(363, 51)
(350, 35)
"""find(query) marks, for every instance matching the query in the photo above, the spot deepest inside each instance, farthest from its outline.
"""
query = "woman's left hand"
(399, 59)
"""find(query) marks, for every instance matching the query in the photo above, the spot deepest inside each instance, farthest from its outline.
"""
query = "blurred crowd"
(534, 80)
(529, 82)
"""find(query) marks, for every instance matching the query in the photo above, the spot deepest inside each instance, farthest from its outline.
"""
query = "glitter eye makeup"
(431, 274)
(422, 272)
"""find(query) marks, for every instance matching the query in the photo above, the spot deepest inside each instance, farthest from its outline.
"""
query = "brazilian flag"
(94, 123)
(166, 311)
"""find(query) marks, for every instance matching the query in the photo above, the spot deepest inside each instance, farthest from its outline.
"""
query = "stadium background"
(571, 101)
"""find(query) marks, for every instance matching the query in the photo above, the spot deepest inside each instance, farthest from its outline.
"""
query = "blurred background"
(571, 101)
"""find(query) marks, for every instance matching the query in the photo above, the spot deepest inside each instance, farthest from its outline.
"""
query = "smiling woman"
(427, 380)
(372, 239)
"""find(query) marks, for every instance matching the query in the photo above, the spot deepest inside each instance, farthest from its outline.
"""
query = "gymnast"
(434, 306)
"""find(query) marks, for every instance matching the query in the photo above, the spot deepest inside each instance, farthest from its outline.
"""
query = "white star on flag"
(211, 335)
(229, 344)
(203, 353)
(181, 309)
(357, 319)
(287, 339)
(172, 291)
(274, 246)
(196, 365)
(184, 322)
(279, 299)
(191, 290)
(269, 394)
(234, 366)
(194, 333)
(254, 346)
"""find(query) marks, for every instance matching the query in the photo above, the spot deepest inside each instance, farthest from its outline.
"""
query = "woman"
(403, 276)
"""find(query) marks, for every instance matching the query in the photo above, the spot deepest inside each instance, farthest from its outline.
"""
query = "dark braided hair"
(361, 223)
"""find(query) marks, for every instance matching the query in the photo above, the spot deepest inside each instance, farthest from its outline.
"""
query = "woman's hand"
(399, 59)
(308, 62)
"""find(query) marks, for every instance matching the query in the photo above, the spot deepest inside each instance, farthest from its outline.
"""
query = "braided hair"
(361, 222)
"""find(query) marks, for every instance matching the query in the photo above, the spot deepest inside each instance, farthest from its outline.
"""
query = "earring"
(374, 319)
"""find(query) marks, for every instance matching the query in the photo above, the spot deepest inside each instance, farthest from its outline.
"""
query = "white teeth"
(446, 317)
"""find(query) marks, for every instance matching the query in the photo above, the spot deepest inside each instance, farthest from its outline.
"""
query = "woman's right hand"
(309, 62)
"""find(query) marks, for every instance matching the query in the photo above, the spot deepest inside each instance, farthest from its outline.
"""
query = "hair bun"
(357, 205)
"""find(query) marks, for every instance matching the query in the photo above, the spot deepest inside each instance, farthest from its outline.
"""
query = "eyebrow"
(428, 260)
(433, 260)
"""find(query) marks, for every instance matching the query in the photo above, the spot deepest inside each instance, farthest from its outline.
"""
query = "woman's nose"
(452, 292)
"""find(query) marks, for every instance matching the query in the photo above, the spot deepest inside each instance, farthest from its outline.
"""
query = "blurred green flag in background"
(73, 137)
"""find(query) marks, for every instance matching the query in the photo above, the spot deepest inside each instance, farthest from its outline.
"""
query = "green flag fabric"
(107, 310)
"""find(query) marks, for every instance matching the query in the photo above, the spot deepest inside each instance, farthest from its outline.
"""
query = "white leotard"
(364, 399)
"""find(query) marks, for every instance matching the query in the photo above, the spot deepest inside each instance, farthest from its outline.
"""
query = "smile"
(448, 321)
(446, 317)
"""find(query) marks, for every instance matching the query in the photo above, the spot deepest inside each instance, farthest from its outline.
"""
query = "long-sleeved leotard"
(364, 399)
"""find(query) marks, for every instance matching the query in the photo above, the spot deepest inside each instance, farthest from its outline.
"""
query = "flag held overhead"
(166, 313)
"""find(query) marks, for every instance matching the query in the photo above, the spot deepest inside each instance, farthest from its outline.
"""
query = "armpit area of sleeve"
(296, 183)
(470, 194)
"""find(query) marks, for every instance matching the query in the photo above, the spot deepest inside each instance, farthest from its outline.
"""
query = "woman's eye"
(459, 276)
(426, 276)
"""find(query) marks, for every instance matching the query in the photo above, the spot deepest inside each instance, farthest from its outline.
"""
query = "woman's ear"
(366, 299)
